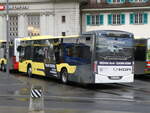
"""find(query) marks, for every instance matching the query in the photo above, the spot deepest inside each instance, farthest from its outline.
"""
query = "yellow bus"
(40, 55)
(2, 55)
(13, 55)
(104, 56)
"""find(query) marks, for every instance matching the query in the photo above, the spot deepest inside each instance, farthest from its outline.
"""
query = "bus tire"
(64, 76)
(3, 67)
(29, 71)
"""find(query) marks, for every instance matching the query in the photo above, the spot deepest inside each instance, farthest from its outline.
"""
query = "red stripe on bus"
(16, 66)
(148, 62)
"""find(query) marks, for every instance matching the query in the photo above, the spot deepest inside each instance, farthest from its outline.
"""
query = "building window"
(63, 19)
(116, 19)
(138, 1)
(138, 18)
(63, 33)
(33, 25)
(94, 19)
(13, 27)
(115, 1)
(98, 1)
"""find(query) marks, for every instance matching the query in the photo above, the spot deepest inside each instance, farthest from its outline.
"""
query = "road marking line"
(13, 84)
(75, 98)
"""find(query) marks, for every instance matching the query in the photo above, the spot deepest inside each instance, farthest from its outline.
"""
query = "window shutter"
(101, 19)
(145, 18)
(110, 19)
(122, 18)
(122, 1)
(131, 18)
(109, 1)
(130, 0)
(88, 20)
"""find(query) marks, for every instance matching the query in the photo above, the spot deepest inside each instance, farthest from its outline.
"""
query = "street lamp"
(7, 35)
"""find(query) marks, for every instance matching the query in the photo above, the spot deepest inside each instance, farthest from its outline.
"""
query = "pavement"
(8, 79)
(25, 110)
(11, 87)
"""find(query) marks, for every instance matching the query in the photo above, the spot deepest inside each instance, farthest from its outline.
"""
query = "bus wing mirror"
(19, 48)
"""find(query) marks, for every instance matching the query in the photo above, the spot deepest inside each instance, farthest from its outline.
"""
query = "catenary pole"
(7, 35)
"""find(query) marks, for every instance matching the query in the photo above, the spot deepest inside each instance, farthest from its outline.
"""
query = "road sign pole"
(7, 35)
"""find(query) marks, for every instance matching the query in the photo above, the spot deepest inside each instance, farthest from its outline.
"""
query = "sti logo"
(122, 69)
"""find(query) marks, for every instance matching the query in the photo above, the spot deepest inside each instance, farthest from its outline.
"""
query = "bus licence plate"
(114, 77)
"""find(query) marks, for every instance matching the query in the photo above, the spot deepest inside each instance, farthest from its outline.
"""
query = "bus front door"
(50, 62)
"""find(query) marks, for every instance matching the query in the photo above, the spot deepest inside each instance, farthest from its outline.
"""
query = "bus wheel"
(29, 71)
(64, 76)
(2, 67)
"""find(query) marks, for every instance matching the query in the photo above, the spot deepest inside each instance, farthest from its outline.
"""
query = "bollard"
(36, 100)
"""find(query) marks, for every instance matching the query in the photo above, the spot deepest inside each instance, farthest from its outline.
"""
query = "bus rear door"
(140, 56)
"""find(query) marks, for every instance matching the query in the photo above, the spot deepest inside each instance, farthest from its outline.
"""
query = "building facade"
(128, 15)
(40, 17)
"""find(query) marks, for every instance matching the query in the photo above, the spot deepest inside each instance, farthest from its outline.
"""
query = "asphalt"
(8, 79)
(25, 110)
(9, 85)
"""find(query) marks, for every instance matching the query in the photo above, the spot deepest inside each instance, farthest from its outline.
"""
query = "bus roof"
(47, 37)
(71, 36)
(98, 32)
(2, 41)
(26, 38)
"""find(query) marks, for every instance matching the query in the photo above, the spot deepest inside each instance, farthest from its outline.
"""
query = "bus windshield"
(114, 48)
(3, 50)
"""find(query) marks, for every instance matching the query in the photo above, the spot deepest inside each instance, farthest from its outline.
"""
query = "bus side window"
(2, 52)
(139, 53)
(38, 54)
(50, 52)
(22, 53)
(69, 52)
(27, 51)
(84, 53)
(88, 38)
(46, 52)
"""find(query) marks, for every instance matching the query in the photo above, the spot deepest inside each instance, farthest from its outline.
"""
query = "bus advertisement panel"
(114, 58)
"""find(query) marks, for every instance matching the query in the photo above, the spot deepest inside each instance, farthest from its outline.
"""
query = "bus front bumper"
(114, 79)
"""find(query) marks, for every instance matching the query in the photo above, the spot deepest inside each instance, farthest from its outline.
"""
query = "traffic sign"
(2, 7)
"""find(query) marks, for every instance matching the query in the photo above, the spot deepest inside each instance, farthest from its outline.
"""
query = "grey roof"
(105, 31)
